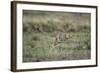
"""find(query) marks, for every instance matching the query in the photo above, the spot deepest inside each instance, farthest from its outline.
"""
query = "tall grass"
(38, 39)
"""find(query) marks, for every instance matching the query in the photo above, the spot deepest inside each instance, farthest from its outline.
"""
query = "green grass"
(38, 39)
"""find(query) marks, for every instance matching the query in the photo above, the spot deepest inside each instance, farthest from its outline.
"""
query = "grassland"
(38, 39)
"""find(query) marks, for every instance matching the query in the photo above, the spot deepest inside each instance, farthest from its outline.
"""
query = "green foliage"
(38, 42)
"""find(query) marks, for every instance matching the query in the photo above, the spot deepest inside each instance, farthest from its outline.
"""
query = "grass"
(38, 39)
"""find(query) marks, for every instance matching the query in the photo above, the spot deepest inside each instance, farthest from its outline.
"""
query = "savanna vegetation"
(39, 36)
